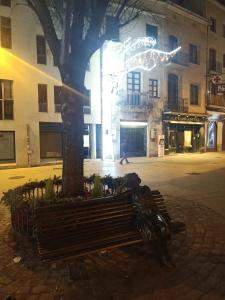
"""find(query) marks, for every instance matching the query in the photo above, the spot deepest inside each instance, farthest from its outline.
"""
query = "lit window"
(6, 100)
(42, 98)
(41, 50)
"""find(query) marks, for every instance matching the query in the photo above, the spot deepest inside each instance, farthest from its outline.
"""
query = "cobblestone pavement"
(126, 273)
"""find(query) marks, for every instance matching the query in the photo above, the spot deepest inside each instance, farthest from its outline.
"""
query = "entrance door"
(223, 138)
(135, 139)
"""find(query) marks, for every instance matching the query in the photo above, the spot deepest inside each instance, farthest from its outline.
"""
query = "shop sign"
(216, 79)
(221, 88)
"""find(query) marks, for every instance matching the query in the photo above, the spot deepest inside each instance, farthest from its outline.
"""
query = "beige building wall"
(19, 64)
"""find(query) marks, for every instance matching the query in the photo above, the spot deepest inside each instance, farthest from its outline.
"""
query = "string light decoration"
(145, 59)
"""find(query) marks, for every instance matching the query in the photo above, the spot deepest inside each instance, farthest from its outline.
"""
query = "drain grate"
(194, 173)
(16, 177)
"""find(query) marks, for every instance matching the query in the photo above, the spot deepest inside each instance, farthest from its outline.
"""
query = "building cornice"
(186, 12)
(216, 3)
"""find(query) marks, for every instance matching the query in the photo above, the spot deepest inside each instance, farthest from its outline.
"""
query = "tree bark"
(73, 123)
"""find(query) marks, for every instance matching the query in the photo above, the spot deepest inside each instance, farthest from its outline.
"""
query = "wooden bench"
(68, 230)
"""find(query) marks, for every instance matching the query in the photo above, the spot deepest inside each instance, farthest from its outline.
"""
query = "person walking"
(124, 148)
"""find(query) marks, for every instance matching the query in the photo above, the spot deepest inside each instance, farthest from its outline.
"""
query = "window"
(42, 98)
(57, 98)
(173, 42)
(153, 88)
(133, 88)
(41, 50)
(6, 38)
(152, 31)
(193, 54)
(5, 2)
(87, 106)
(212, 59)
(212, 24)
(224, 30)
(224, 61)
(7, 146)
(6, 100)
(194, 94)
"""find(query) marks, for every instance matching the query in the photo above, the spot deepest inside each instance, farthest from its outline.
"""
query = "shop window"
(152, 31)
(42, 98)
(193, 54)
(133, 88)
(194, 94)
(41, 50)
(5, 2)
(212, 24)
(6, 100)
(57, 98)
(153, 88)
(212, 135)
(6, 35)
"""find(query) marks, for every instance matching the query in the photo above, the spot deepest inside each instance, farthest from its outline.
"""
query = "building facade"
(177, 104)
(165, 103)
(30, 120)
(215, 103)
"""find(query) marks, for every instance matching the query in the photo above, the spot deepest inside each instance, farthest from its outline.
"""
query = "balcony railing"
(180, 58)
(215, 67)
(181, 105)
(216, 100)
(138, 102)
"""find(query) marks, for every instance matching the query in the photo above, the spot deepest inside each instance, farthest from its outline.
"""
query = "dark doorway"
(136, 139)
(172, 91)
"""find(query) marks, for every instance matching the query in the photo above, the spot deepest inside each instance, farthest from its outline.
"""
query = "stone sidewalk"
(126, 273)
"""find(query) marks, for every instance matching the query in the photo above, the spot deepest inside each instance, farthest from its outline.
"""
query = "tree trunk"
(73, 121)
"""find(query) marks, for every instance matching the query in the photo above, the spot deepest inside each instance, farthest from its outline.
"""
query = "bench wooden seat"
(67, 230)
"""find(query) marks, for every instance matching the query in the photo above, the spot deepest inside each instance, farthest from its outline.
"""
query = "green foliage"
(98, 188)
(49, 190)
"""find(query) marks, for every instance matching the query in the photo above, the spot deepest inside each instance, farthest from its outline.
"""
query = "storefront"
(51, 140)
(184, 132)
(135, 135)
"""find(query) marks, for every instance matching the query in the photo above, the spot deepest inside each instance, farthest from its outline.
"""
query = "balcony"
(181, 59)
(215, 67)
(180, 106)
(216, 101)
(137, 102)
